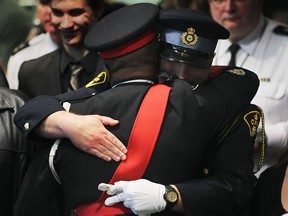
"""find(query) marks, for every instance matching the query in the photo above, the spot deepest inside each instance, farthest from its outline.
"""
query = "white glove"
(143, 197)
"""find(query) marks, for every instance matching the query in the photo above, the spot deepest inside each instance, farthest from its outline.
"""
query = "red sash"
(145, 131)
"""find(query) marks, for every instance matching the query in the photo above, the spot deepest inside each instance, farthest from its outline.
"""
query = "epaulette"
(20, 47)
(281, 30)
(73, 96)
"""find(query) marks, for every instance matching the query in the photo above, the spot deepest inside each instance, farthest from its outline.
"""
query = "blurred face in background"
(73, 18)
(240, 17)
(184, 71)
(44, 15)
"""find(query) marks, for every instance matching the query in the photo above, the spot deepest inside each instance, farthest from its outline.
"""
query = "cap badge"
(189, 37)
(252, 119)
(100, 79)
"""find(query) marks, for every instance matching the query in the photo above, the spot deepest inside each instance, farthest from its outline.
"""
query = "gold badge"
(237, 71)
(100, 79)
(189, 37)
(265, 79)
(252, 119)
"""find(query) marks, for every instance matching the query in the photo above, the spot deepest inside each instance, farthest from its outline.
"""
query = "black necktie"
(233, 49)
(75, 71)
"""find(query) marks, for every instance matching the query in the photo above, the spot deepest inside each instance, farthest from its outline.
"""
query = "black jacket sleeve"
(40, 107)
(228, 183)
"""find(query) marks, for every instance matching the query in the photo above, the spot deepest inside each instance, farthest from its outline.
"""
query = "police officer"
(262, 48)
(200, 114)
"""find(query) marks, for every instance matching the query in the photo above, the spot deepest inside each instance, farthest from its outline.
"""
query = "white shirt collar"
(248, 44)
(133, 81)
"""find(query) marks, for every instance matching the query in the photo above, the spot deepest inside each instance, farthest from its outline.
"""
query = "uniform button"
(205, 171)
(26, 126)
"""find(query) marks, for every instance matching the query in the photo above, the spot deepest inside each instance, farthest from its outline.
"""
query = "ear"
(106, 68)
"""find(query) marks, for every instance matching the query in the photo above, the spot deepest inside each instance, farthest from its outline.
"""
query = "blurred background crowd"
(20, 20)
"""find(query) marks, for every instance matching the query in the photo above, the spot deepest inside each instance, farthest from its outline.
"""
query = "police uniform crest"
(252, 120)
(100, 79)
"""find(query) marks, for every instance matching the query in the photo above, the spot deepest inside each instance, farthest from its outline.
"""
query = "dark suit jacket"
(46, 75)
(267, 197)
(192, 122)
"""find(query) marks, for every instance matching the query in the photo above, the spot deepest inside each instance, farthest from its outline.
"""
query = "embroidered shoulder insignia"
(252, 119)
(100, 79)
(237, 71)
(281, 30)
(189, 37)
(20, 47)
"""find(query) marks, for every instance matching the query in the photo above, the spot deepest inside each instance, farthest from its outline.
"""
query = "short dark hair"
(94, 4)
(45, 2)
(147, 56)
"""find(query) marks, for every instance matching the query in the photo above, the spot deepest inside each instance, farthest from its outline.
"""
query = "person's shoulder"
(12, 97)
(39, 65)
(217, 70)
(99, 84)
(27, 44)
(278, 28)
(281, 30)
(234, 79)
(47, 58)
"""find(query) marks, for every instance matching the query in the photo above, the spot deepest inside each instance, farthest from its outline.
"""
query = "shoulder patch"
(281, 30)
(252, 120)
(100, 79)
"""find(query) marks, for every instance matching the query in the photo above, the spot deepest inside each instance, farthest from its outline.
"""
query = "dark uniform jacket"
(267, 197)
(187, 144)
(13, 150)
(48, 74)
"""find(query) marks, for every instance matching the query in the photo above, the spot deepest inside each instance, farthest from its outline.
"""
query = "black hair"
(142, 59)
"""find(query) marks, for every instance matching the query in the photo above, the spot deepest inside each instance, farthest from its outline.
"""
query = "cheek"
(56, 20)
(84, 20)
(216, 15)
(49, 28)
(168, 70)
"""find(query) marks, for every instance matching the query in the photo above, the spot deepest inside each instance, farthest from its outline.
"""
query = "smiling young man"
(51, 74)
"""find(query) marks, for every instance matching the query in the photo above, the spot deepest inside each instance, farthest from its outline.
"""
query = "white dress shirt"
(266, 53)
(38, 46)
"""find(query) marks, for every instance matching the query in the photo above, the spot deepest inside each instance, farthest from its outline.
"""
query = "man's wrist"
(170, 196)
